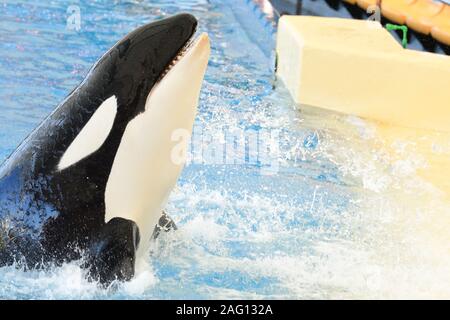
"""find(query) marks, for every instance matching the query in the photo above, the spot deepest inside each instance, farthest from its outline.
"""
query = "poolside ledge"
(356, 67)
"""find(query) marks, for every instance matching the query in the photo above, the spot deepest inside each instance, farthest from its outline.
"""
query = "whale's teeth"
(177, 58)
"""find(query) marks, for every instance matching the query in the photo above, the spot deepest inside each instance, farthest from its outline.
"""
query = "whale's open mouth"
(187, 46)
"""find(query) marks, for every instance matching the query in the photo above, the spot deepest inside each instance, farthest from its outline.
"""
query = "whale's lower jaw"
(144, 170)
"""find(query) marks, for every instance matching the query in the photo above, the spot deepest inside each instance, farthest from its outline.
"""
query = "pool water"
(325, 214)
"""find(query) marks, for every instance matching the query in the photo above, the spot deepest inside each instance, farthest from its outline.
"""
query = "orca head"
(146, 89)
(147, 164)
(116, 88)
(102, 160)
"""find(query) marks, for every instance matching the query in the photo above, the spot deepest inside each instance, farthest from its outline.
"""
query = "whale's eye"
(93, 134)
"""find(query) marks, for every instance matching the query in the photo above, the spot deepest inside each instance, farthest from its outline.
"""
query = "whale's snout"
(203, 46)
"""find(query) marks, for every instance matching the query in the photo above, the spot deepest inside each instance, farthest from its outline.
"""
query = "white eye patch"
(93, 134)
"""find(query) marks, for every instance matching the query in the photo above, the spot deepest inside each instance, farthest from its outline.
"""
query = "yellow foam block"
(356, 67)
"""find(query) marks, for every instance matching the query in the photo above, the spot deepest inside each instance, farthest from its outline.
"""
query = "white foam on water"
(66, 282)
(143, 280)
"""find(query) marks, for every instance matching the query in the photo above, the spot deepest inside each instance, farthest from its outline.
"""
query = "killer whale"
(92, 179)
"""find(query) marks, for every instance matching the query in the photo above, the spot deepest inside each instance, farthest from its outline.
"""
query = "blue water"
(309, 228)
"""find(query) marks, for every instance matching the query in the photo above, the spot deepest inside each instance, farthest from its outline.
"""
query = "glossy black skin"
(112, 252)
(48, 215)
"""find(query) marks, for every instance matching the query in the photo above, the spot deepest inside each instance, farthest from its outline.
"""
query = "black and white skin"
(93, 178)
